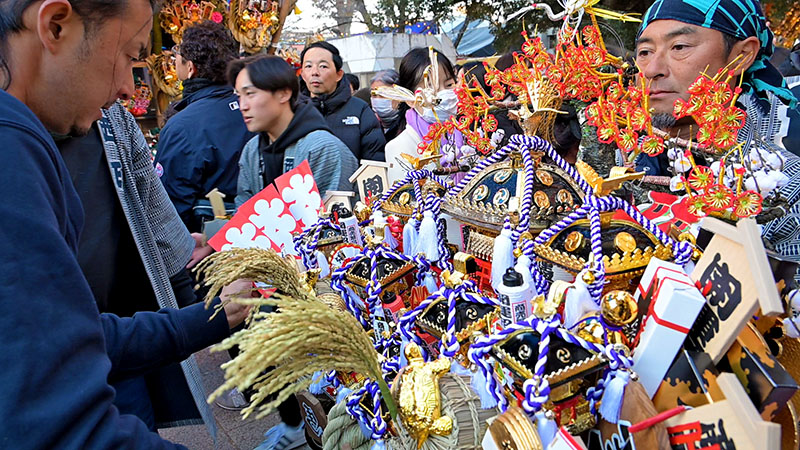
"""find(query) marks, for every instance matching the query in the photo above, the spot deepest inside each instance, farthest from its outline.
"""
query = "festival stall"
(568, 315)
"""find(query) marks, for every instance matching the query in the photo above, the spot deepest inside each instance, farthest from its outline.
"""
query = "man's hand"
(201, 249)
(237, 312)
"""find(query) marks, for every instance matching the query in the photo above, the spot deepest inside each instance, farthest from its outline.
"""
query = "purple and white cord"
(537, 389)
(449, 343)
(542, 285)
(595, 231)
(482, 164)
(414, 175)
(527, 194)
(338, 279)
(538, 143)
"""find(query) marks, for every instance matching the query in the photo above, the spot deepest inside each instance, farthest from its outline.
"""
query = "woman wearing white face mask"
(415, 122)
(384, 108)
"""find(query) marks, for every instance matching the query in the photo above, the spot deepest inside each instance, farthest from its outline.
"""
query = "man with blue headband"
(680, 39)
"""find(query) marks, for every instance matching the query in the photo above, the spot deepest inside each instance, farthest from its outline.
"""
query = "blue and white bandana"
(738, 18)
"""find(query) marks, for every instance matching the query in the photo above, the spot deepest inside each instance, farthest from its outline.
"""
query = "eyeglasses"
(176, 49)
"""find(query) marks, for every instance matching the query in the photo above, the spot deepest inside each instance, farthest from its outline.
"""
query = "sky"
(312, 18)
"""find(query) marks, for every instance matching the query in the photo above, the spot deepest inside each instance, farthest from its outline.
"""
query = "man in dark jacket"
(59, 351)
(349, 118)
(133, 253)
(199, 147)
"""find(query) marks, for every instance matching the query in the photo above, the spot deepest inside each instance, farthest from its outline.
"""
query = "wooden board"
(733, 423)
(736, 265)
(313, 415)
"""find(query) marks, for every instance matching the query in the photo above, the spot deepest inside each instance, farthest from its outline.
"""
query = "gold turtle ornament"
(420, 399)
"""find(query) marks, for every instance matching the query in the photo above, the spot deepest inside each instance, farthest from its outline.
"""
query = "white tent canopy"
(370, 53)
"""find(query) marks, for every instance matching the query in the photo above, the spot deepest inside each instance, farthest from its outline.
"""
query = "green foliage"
(394, 15)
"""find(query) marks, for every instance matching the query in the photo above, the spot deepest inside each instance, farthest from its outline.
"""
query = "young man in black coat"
(349, 118)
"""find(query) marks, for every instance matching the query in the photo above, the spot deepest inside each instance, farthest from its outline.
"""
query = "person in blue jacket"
(61, 61)
(199, 147)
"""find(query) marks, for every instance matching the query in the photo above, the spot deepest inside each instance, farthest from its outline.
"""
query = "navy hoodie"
(58, 351)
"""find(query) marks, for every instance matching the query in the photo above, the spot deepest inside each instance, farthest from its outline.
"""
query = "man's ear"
(284, 95)
(339, 75)
(190, 68)
(57, 23)
(748, 50)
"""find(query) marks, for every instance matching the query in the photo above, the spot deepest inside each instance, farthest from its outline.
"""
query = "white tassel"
(546, 427)
(410, 237)
(430, 283)
(613, 396)
(318, 383)
(428, 240)
(502, 255)
(578, 303)
(403, 342)
(388, 237)
(523, 267)
(322, 264)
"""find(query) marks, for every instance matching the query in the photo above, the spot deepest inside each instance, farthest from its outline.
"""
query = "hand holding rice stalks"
(279, 351)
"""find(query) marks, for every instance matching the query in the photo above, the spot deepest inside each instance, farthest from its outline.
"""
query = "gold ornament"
(362, 212)
(625, 242)
(512, 430)
(544, 307)
(541, 200)
(563, 196)
(420, 400)
(454, 279)
(591, 330)
(574, 241)
(619, 308)
(544, 177)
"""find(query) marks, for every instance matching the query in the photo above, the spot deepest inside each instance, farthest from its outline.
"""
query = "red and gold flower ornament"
(712, 105)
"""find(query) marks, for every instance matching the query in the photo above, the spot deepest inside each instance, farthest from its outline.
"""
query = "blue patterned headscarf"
(738, 18)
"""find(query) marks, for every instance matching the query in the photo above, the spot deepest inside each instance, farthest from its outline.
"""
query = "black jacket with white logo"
(352, 121)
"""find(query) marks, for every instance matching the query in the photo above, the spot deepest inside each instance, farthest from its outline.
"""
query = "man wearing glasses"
(200, 145)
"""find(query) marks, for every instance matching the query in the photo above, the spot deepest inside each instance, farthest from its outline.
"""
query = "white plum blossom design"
(269, 218)
(245, 238)
(303, 200)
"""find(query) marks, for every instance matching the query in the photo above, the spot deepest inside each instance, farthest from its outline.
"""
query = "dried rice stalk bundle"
(162, 69)
(303, 337)
(262, 266)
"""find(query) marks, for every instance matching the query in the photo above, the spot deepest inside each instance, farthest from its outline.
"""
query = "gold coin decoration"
(544, 177)
(625, 242)
(574, 241)
(501, 176)
(481, 193)
(404, 199)
(541, 200)
(591, 330)
(501, 197)
(565, 197)
(619, 308)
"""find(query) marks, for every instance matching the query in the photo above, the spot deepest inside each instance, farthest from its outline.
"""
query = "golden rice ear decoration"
(262, 266)
(302, 337)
